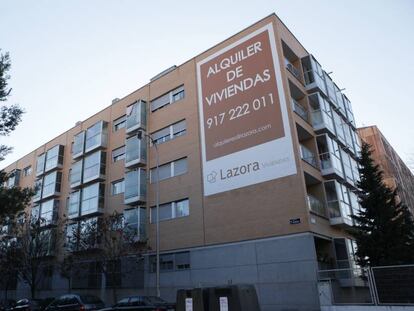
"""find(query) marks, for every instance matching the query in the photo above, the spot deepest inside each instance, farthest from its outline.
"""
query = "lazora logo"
(211, 178)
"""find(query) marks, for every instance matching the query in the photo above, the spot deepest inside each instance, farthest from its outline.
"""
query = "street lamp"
(140, 134)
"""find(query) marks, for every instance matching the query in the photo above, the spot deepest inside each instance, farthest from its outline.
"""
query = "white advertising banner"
(245, 132)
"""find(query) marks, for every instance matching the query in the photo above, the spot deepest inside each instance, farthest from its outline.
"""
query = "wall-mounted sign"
(245, 133)
(188, 304)
(224, 304)
(294, 221)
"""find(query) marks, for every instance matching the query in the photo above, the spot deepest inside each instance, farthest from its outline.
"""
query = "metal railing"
(316, 205)
(308, 156)
(300, 110)
(386, 285)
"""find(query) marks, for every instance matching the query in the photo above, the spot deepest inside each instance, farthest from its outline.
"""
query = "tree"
(12, 199)
(36, 242)
(107, 240)
(384, 228)
(8, 265)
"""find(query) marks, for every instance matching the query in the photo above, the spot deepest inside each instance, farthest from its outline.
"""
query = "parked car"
(7, 304)
(27, 305)
(141, 303)
(73, 302)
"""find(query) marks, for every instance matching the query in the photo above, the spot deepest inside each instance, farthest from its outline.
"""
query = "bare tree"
(107, 240)
(8, 266)
(36, 242)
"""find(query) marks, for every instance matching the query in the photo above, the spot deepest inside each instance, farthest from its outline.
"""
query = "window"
(38, 188)
(96, 136)
(48, 211)
(119, 123)
(94, 166)
(170, 132)
(74, 204)
(27, 171)
(136, 116)
(171, 262)
(78, 144)
(170, 169)
(75, 174)
(135, 151)
(92, 198)
(135, 186)
(71, 236)
(168, 98)
(51, 184)
(171, 210)
(40, 164)
(118, 187)
(54, 157)
(135, 222)
(118, 154)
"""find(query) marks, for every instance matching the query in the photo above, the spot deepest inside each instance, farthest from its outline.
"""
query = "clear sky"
(71, 58)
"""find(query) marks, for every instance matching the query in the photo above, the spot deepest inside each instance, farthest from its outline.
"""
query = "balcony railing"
(339, 213)
(308, 156)
(315, 205)
(300, 110)
(330, 164)
(292, 69)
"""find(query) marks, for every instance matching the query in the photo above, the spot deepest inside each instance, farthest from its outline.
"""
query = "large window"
(40, 164)
(54, 157)
(168, 98)
(94, 166)
(27, 171)
(78, 145)
(169, 132)
(135, 223)
(75, 174)
(74, 204)
(171, 262)
(136, 116)
(92, 199)
(51, 184)
(48, 211)
(135, 186)
(96, 136)
(135, 151)
(170, 169)
(171, 210)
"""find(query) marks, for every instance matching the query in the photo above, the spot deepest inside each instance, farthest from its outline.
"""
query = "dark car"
(7, 304)
(73, 302)
(142, 303)
(27, 305)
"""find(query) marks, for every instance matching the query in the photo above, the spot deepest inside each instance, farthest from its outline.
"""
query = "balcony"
(300, 110)
(135, 224)
(321, 114)
(136, 116)
(73, 208)
(314, 78)
(339, 208)
(40, 164)
(54, 158)
(135, 152)
(330, 156)
(94, 167)
(78, 146)
(51, 185)
(292, 69)
(92, 200)
(315, 205)
(308, 156)
(135, 187)
(48, 213)
(96, 136)
(75, 174)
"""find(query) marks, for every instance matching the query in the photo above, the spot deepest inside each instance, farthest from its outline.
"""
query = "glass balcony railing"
(308, 156)
(315, 205)
(135, 151)
(339, 213)
(300, 110)
(292, 69)
(135, 186)
(136, 116)
(330, 164)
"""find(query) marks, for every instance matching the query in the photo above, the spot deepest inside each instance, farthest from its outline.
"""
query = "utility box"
(220, 298)
(192, 299)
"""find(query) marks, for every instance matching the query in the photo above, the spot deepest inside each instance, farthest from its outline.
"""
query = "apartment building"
(257, 148)
(396, 174)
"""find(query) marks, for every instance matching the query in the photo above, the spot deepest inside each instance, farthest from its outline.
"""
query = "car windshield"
(155, 299)
(90, 299)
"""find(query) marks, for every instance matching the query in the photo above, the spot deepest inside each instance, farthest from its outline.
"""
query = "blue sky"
(76, 56)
